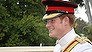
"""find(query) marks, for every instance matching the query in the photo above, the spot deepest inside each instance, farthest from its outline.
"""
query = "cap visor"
(50, 16)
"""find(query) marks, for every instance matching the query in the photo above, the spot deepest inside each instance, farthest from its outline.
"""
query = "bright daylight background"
(80, 13)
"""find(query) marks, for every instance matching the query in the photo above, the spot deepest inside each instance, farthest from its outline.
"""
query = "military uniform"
(71, 42)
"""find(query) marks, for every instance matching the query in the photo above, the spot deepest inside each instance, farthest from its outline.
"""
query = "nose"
(48, 24)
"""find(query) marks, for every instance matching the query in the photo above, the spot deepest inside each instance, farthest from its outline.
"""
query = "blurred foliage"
(83, 28)
(80, 2)
(21, 23)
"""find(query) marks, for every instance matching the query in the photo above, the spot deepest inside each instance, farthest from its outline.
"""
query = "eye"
(52, 21)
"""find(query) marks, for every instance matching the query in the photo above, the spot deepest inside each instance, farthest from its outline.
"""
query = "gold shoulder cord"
(70, 46)
(83, 40)
(75, 42)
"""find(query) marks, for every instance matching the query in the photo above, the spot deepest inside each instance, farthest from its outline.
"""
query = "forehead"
(57, 18)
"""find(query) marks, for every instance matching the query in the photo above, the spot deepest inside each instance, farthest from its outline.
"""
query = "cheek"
(58, 27)
(57, 31)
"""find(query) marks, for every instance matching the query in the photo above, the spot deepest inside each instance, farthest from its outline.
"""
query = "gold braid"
(77, 40)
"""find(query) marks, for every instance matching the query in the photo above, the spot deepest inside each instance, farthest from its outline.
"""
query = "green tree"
(80, 2)
(82, 27)
(21, 23)
(89, 32)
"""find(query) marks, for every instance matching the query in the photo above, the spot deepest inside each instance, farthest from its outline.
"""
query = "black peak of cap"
(59, 3)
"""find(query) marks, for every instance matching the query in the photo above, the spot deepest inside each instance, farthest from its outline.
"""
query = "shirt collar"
(64, 41)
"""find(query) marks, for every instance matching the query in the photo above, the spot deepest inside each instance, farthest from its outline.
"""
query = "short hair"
(71, 18)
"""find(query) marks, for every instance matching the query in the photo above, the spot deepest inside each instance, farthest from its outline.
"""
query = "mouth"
(50, 30)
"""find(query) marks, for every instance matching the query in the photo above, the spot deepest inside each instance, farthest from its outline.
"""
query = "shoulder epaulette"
(77, 40)
(83, 40)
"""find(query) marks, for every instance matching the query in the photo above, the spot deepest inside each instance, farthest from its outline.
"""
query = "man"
(60, 20)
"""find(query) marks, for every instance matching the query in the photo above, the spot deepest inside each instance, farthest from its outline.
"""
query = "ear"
(66, 20)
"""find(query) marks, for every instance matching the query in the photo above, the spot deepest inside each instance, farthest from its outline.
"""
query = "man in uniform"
(60, 20)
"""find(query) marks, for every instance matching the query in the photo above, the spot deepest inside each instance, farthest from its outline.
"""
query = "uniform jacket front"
(65, 41)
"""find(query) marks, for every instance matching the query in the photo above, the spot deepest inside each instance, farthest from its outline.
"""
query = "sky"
(80, 12)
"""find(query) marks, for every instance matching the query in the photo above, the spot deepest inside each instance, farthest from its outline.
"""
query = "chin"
(51, 35)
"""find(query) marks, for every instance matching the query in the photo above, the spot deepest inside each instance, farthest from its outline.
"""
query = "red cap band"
(67, 9)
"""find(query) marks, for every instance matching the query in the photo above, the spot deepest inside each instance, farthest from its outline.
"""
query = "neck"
(65, 32)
